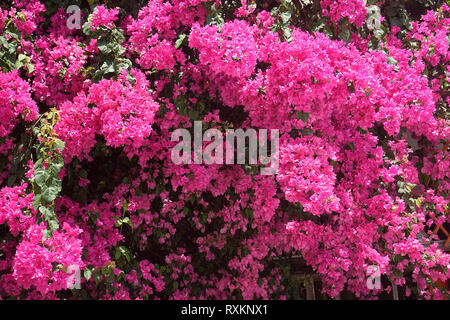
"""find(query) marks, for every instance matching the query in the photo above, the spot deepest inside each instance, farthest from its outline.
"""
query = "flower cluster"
(354, 10)
(89, 194)
(15, 102)
(121, 112)
(103, 17)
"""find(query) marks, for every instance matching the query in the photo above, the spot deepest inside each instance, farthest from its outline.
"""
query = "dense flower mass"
(15, 102)
(93, 207)
(121, 112)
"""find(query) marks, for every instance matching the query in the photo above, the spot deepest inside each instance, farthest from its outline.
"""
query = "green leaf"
(104, 46)
(55, 168)
(53, 224)
(50, 194)
(346, 35)
(127, 221)
(50, 217)
(47, 233)
(30, 68)
(180, 40)
(125, 205)
(117, 35)
(54, 182)
(122, 64)
(304, 116)
(418, 202)
(214, 15)
(122, 251)
(97, 277)
(61, 145)
(118, 254)
(22, 60)
(41, 176)
(46, 213)
(87, 274)
(120, 222)
(285, 17)
(379, 34)
(86, 28)
(36, 201)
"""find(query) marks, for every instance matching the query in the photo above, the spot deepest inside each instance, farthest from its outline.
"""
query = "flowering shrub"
(87, 183)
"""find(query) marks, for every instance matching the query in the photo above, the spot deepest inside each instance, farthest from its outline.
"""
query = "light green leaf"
(50, 194)
(180, 40)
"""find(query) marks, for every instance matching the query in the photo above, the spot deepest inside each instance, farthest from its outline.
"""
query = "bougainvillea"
(93, 207)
